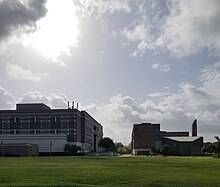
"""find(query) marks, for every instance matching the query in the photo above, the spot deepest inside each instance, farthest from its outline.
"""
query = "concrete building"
(50, 129)
(146, 135)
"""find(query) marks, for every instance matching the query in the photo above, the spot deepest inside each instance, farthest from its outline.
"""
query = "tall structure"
(50, 129)
(145, 136)
(194, 128)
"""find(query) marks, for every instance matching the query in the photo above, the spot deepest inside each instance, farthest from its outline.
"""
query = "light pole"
(50, 147)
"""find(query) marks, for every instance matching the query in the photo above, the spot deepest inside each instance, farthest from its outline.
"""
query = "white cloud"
(88, 7)
(159, 94)
(52, 100)
(161, 67)
(6, 99)
(191, 27)
(183, 28)
(19, 73)
(140, 34)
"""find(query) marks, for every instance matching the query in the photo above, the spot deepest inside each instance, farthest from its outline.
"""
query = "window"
(57, 119)
(58, 131)
(52, 131)
(95, 127)
(32, 119)
(71, 131)
(52, 119)
(38, 131)
(32, 132)
(17, 132)
(0, 120)
(12, 132)
(17, 120)
(35, 119)
(12, 120)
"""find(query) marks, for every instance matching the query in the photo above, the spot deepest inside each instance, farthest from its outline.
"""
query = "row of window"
(38, 119)
(53, 131)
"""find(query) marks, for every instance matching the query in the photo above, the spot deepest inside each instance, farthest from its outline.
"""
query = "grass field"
(110, 171)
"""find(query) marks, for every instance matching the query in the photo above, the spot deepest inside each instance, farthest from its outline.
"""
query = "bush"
(71, 149)
(166, 150)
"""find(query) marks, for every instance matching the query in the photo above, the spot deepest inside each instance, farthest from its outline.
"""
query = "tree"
(209, 148)
(71, 149)
(121, 149)
(153, 149)
(166, 150)
(218, 142)
(107, 143)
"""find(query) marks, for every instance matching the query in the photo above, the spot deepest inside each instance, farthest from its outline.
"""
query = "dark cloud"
(20, 15)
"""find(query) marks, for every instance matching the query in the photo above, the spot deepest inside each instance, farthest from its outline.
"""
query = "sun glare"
(57, 30)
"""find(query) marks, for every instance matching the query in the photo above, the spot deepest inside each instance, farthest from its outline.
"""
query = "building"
(19, 150)
(145, 136)
(184, 146)
(50, 129)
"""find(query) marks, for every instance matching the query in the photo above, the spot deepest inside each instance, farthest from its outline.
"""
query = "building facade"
(50, 129)
(147, 136)
(143, 137)
(184, 146)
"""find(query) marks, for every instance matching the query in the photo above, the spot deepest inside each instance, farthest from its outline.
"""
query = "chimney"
(77, 105)
(68, 105)
(73, 105)
(194, 128)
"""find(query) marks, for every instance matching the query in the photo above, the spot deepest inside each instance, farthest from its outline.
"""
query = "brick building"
(50, 129)
(146, 135)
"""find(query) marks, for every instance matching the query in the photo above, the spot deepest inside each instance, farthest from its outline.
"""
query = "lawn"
(110, 171)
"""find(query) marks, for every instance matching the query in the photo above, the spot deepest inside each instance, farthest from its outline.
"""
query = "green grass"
(110, 171)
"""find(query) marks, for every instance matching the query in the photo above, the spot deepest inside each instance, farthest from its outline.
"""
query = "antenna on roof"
(73, 105)
(68, 105)
(77, 105)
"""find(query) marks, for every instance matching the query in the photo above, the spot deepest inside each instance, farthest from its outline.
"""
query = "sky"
(125, 62)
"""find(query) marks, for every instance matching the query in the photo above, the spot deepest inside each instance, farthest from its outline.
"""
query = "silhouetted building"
(165, 133)
(184, 146)
(50, 129)
(194, 128)
(145, 136)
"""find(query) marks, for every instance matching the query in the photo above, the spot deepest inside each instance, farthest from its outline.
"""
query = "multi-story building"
(143, 137)
(50, 129)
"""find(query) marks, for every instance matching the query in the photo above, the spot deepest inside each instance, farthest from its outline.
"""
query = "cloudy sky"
(125, 62)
